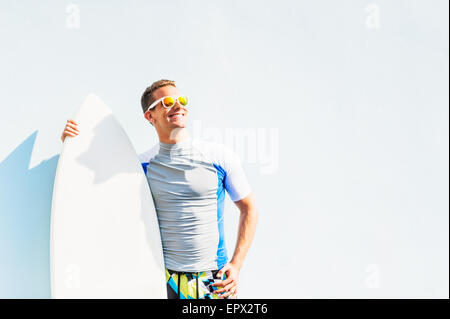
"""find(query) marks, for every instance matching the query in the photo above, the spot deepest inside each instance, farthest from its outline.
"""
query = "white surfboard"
(105, 239)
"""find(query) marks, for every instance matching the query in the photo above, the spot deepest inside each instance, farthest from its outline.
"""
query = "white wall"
(345, 106)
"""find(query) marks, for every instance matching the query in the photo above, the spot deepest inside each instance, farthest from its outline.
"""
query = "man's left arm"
(246, 232)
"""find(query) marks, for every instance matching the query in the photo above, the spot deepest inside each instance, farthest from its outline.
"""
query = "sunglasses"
(169, 101)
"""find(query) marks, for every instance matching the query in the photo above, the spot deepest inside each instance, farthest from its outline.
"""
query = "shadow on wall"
(25, 207)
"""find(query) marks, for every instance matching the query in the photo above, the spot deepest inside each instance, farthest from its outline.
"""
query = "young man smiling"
(188, 179)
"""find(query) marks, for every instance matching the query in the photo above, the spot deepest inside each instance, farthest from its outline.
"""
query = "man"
(188, 179)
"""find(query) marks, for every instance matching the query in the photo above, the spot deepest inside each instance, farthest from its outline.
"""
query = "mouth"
(176, 115)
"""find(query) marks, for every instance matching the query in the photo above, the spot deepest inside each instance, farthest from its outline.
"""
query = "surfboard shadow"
(25, 209)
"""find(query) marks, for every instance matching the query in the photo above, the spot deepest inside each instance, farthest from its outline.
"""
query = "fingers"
(223, 270)
(226, 288)
(232, 292)
(223, 282)
(72, 126)
(229, 284)
(71, 129)
(235, 292)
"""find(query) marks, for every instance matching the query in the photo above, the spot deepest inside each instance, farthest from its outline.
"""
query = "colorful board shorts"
(193, 285)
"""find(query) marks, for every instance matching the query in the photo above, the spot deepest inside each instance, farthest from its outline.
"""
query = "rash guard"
(188, 181)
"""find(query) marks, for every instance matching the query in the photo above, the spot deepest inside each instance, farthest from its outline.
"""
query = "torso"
(188, 182)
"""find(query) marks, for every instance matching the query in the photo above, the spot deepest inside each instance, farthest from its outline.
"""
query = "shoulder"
(216, 152)
(235, 180)
(146, 156)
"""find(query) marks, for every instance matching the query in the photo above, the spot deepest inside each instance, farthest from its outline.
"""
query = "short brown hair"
(147, 97)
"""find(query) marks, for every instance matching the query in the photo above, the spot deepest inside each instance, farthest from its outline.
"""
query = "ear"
(149, 117)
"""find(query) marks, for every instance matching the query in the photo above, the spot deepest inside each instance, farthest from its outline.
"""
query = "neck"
(174, 136)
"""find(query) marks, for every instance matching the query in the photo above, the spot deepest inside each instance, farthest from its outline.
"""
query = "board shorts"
(193, 285)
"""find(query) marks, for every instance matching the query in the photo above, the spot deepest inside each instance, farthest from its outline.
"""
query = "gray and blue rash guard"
(188, 180)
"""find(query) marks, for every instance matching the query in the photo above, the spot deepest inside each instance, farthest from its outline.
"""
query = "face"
(167, 119)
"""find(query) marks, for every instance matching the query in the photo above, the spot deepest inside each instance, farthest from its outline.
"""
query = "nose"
(175, 108)
(178, 106)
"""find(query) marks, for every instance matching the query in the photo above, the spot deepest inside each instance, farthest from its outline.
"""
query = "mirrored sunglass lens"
(169, 101)
(183, 100)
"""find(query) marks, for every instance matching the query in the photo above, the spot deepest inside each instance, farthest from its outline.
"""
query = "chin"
(180, 124)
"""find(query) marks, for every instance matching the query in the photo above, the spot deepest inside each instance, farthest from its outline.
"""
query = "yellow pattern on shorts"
(187, 285)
